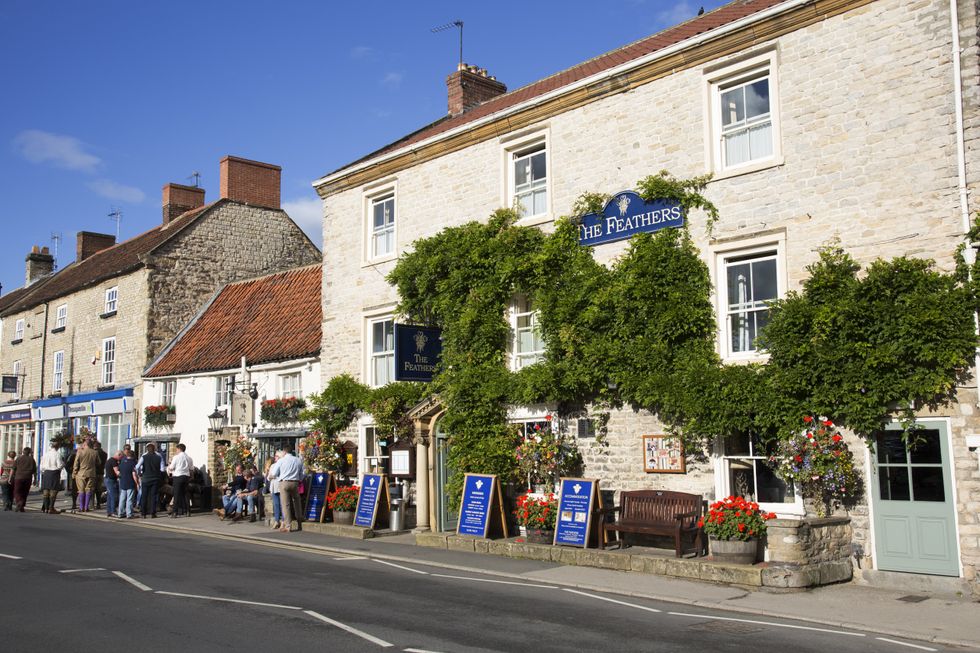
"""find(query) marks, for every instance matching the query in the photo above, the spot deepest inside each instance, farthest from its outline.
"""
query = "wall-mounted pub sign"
(9, 384)
(627, 214)
(417, 350)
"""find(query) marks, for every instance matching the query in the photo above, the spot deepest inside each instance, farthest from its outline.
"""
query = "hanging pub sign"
(9, 384)
(578, 501)
(481, 512)
(627, 214)
(417, 350)
(372, 500)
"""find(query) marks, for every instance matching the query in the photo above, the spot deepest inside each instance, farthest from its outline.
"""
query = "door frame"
(869, 490)
(438, 485)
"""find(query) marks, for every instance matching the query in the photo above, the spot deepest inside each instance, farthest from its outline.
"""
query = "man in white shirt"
(51, 466)
(180, 468)
(289, 471)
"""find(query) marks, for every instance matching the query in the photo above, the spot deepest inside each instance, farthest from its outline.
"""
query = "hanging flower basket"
(159, 416)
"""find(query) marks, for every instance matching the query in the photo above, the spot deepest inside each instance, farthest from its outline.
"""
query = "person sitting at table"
(232, 504)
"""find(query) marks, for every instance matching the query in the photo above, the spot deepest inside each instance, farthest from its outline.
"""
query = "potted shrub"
(537, 515)
(734, 526)
(342, 503)
(159, 416)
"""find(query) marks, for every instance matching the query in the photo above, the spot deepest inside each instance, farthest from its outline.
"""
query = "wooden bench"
(657, 512)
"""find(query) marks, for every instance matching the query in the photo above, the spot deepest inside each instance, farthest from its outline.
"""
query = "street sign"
(481, 511)
(372, 499)
(577, 501)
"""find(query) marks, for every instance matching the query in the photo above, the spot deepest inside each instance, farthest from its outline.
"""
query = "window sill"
(54, 395)
(748, 169)
(104, 388)
(57, 329)
(535, 220)
(105, 316)
(378, 261)
(16, 341)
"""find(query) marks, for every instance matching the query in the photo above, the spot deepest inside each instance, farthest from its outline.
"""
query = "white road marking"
(419, 650)
(392, 564)
(350, 629)
(72, 571)
(218, 598)
(502, 582)
(606, 598)
(892, 641)
(350, 558)
(133, 581)
(4, 555)
(766, 623)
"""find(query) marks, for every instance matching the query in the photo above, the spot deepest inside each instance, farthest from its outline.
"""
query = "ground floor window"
(745, 472)
(113, 432)
(268, 448)
(12, 438)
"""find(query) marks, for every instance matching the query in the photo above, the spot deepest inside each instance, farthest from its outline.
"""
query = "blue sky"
(106, 101)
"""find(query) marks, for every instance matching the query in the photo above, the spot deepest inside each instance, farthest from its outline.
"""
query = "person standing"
(99, 471)
(51, 467)
(150, 469)
(7, 480)
(84, 471)
(127, 484)
(25, 471)
(180, 468)
(111, 480)
(273, 485)
(70, 470)
(289, 471)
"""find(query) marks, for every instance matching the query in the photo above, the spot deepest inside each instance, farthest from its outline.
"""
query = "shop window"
(113, 432)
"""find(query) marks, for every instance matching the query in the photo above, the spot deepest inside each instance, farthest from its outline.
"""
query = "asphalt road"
(86, 585)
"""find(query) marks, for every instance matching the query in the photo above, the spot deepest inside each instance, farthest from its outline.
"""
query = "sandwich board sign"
(372, 500)
(578, 500)
(321, 484)
(481, 511)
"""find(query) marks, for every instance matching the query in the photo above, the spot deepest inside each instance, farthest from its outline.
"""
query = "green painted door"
(914, 510)
(447, 517)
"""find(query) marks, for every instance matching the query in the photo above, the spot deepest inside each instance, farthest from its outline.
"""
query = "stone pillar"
(422, 523)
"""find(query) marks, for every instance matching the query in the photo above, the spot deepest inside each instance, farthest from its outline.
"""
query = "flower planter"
(540, 536)
(343, 517)
(736, 552)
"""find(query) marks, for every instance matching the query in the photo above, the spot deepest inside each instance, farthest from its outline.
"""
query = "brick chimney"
(178, 199)
(89, 243)
(470, 86)
(40, 263)
(251, 182)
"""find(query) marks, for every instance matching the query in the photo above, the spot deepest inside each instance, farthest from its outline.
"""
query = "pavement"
(947, 619)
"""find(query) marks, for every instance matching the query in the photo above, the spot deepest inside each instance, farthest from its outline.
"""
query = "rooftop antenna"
(196, 176)
(456, 23)
(116, 214)
(55, 241)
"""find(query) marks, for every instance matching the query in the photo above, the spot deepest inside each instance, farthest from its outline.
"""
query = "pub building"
(788, 106)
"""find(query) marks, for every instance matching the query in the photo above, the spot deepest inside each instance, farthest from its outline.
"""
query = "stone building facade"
(78, 339)
(852, 120)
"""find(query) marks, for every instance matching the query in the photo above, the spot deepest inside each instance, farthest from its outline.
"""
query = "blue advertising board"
(417, 350)
(627, 214)
(475, 509)
(372, 486)
(576, 503)
(317, 496)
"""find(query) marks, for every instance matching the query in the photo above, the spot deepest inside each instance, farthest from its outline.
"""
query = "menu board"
(577, 501)
(374, 493)
(481, 510)
(316, 497)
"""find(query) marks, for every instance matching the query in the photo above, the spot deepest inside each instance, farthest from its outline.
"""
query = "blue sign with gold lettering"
(417, 350)
(627, 214)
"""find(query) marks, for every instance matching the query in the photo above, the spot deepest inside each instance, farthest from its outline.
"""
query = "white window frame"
(19, 329)
(61, 319)
(371, 356)
(515, 147)
(721, 78)
(722, 468)
(376, 194)
(111, 300)
(18, 370)
(109, 361)
(224, 387)
(743, 249)
(291, 385)
(521, 307)
(58, 371)
(368, 450)
(168, 392)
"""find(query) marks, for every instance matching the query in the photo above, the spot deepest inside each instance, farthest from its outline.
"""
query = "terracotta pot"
(540, 536)
(736, 552)
(343, 516)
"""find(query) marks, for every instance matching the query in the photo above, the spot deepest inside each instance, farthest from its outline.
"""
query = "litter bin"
(397, 514)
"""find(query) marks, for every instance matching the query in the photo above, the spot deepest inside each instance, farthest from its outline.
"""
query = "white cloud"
(116, 191)
(63, 151)
(361, 52)
(307, 212)
(678, 13)
(392, 80)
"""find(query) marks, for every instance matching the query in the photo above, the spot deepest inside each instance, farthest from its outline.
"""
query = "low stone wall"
(808, 552)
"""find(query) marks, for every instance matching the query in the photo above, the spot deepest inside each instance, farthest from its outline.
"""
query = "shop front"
(107, 415)
(16, 428)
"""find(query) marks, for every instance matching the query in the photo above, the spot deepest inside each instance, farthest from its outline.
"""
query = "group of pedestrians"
(17, 475)
(282, 478)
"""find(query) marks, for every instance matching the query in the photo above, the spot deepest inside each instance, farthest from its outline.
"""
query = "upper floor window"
(108, 361)
(382, 228)
(111, 297)
(18, 370)
(744, 115)
(224, 387)
(58, 377)
(168, 393)
(381, 362)
(19, 329)
(289, 386)
(61, 317)
(527, 346)
(529, 180)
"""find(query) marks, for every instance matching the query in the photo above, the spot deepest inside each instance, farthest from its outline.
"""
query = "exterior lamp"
(217, 419)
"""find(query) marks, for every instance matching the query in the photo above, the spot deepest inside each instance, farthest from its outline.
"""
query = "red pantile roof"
(271, 318)
(111, 262)
(712, 20)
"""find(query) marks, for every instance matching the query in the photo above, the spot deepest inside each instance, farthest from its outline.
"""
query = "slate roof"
(106, 264)
(272, 318)
(712, 20)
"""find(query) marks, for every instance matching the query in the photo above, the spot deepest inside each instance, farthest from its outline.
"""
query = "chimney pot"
(470, 86)
(251, 182)
(178, 199)
(88, 243)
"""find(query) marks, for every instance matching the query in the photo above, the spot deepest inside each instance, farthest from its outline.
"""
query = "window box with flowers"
(734, 527)
(157, 417)
(536, 515)
(342, 503)
(282, 411)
